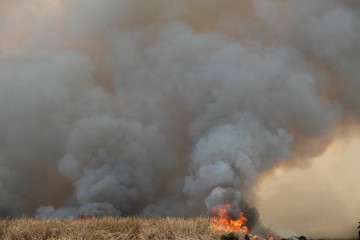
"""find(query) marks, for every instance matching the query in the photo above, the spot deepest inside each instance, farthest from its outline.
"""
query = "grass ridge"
(110, 228)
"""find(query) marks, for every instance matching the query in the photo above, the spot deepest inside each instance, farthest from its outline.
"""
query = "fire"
(84, 218)
(223, 221)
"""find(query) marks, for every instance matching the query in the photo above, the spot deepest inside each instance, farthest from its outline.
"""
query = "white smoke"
(153, 107)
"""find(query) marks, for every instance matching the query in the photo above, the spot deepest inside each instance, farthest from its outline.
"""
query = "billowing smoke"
(166, 108)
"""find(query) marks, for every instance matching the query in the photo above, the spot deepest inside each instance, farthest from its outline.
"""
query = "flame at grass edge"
(223, 222)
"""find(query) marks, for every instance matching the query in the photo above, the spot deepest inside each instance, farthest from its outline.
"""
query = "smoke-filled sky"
(170, 108)
(320, 200)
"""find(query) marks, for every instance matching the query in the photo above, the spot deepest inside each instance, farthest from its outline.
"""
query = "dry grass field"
(112, 228)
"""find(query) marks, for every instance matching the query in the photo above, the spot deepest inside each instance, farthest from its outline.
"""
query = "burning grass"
(113, 228)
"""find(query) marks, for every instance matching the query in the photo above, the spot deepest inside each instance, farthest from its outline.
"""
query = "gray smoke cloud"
(165, 108)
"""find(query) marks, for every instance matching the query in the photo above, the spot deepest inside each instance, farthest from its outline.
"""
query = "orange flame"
(223, 221)
(84, 218)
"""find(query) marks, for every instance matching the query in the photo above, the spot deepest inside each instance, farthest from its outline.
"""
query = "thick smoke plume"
(166, 108)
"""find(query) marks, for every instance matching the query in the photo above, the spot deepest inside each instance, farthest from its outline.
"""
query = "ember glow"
(84, 218)
(224, 222)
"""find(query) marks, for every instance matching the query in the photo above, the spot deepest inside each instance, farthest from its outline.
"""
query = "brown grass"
(112, 228)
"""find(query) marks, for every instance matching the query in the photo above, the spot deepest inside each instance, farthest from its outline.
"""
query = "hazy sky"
(320, 200)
